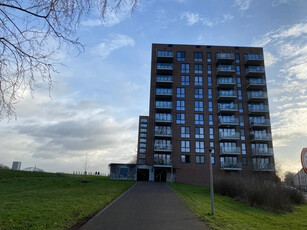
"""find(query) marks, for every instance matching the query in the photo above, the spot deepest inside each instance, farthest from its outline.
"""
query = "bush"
(256, 193)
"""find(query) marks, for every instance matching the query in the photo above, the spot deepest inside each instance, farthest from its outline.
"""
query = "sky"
(98, 95)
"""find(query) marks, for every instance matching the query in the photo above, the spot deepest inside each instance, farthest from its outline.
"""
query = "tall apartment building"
(205, 99)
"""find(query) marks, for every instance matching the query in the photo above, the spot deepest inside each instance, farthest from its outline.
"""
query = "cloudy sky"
(99, 94)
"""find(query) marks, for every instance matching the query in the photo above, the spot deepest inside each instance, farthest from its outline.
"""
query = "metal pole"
(211, 183)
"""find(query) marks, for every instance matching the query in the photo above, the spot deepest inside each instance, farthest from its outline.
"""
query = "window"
(211, 144)
(198, 56)
(143, 140)
(143, 135)
(143, 130)
(198, 68)
(163, 130)
(239, 82)
(199, 106)
(199, 132)
(199, 146)
(242, 134)
(242, 121)
(211, 135)
(213, 160)
(142, 150)
(185, 80)
(209, 80)
(240, 107)
(163, 117)
(180, 105)
(143, 120)
(164, 53)
(185, 159)
(210, 119)
(199, 119)
(185, 131)
(209, 67)
(244, 161)
(208, 57)
(239, 94)
(185, 68)
(180, 118)
(238, 71)
(144, 125)
(198, 93)
(180, 56)
(210, 108)
(243, 148)
(180, 92)
(209, 93)
(237, 58)
(185, 146)
(142, 145)
(200, 159)
(198, 80)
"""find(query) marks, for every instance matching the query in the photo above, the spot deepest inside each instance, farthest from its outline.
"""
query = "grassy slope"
(31, 200)
(231, 214)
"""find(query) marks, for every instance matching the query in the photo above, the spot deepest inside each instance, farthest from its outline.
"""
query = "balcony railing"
(265, 122)
(257, 95)
(224, 57)
(254, 70)
(229, 136)
(226, 81)
(253, 58)
(164, 105)
(164, 78)
(230, 150)
(228, 121)
(163, 148)
(164, 92)
(165, 66)
(227, 95)
(261, 137)
(163, 53)
(256, 83)
(159, 133)
(163, 117)
(258, 108)
(227, 107)
(225, 69)
(231, 166)
(262, 151)
(264, 167)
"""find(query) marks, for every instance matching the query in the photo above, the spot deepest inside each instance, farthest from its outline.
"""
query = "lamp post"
(211, 182)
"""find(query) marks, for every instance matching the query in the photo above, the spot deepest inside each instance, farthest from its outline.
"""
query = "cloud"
(279, 2)
(242, 4)
(193, 18)
(269, 58)
(105, 48)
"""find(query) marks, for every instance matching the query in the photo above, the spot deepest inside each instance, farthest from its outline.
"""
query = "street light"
(211, 182)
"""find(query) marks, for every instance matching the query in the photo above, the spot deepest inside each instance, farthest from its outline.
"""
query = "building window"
(199, 119)
(210, 108)
(185, 68)
(243, 148)
(210, 119)
(180, 105)
(185, 159)
(244, 161)
(143, 120)
(185, 131)
(198, 56)
(239, 82)
(143, 140)
(180, 92)
(209, 67)
(198, 68)
(242, 134)
(143, 135)
(200, 159)
(242, 121)
(198, 80)
(213, 160)
(180, 118)
(239, 94)
(211, 135)
(199, 106)
(198, 93)
(142, 145)
(240, 107)
(143, 130)
(211, 144)
(208, 57)
(180, 56)
(185, 80)
(199, 132)
(210, 93)
(185, 146)
(237, 58)
(144, 125)
(209, 80)
(142, 150)
(238, 70)
(199, 146)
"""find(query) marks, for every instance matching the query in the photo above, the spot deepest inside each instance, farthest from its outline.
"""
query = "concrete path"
(147, 205)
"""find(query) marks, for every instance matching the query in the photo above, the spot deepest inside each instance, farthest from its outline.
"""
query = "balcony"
(163, 117)
(225, 82)
(165, 105)
(230, 150)
(162, 160)
(228, 95)
(254, 71)
(231, 166)
(162, 148)
(261, 137)
(163, 133)
(253, 59)
(226, 70)
(257, 109)
(227, 108)
(262, 152)
(260, 123)
(164, 56)
(228, 121)
(229, 136)
(164, 93)
(257, 96)
(264, 167)
(164, 68)
(164, 79)
(256, 84)
(225, 58)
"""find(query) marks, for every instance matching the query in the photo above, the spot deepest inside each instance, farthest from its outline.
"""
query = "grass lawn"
(231, 214)
(33, 200)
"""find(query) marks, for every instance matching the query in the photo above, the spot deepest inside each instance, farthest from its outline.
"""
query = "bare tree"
(31, 33)
(289, 178)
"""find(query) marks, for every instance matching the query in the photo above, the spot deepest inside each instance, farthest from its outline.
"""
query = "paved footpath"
(147, 205)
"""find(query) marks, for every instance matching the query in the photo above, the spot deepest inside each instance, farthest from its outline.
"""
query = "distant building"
(300, 180)
(122, 171)
(205, 98)
(16, 165)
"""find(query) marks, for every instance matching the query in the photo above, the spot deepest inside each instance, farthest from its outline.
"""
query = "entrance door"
(160, 174)
(143, 175)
